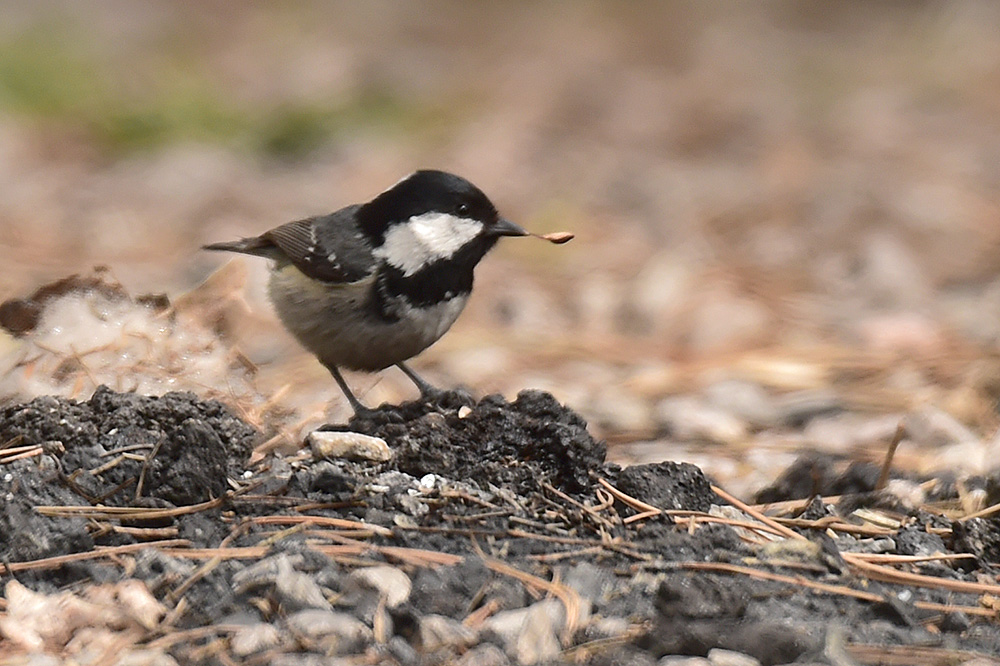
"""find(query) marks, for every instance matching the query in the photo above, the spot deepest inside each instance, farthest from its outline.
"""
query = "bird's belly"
(332, 322)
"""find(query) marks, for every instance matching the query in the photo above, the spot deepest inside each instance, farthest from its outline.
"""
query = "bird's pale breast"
(331, 321)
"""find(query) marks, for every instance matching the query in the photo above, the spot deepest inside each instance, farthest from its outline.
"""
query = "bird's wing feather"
(326, 248)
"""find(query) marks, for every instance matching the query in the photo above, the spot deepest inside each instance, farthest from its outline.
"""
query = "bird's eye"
(463, 209)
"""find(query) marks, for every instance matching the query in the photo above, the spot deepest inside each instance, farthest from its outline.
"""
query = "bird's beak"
(504, 227)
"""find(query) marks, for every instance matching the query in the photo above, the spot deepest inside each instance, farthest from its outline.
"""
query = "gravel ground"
(457, 533)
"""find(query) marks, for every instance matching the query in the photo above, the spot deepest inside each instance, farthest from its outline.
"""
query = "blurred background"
(788, 233)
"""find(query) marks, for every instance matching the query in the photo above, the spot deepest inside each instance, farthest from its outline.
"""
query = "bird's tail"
(257, 246)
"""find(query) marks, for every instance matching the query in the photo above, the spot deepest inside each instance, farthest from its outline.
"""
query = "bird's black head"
(431, 229)
(429, 193)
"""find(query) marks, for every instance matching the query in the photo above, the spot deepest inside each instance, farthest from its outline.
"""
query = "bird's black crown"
(422, 192)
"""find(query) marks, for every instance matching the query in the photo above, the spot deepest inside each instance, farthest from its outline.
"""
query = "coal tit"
(374, 284)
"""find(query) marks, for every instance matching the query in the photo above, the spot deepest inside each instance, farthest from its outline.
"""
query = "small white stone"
(254, 638)
(688, 418)
(389, 581)
(720, 657)
(678, 660)
(438, 631)
(350, 445)
(428, 481)
(337, 631)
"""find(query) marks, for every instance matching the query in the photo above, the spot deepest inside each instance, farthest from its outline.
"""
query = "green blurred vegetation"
(53, 73)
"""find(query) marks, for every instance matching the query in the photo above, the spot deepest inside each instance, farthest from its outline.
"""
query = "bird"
(372, 285)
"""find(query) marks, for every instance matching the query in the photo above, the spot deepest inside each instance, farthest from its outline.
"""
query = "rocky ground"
(462, 532)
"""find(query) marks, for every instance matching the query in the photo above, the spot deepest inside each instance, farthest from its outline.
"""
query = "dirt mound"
(517, 446)
(494, 532)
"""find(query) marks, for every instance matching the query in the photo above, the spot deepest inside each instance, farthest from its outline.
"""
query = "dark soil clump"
(517, 446)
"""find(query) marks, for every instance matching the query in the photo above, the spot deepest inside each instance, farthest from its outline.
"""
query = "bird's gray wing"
(327, 248)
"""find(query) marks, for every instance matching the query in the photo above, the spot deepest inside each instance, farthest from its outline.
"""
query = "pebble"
(746, 400)
(689, 418)
(600, 628)
(438, 631)
(483, 655)
(349, 445)
(589, 581)
(297, 591)
(143, 607)
(253, 638)
(530, 634)
(305, 659)
(294, 590)
(663, 286)
(720, 657)
(680, 660)
(912, 495)
(335, 632)
(402, 651)
(617, 411)
(48, 660)
(389, 581)
(798, 408)
(539, 639)
(841, 432)
(891, 273)
(725, 320)
(144, 658)
(936, 428)
(412, 506)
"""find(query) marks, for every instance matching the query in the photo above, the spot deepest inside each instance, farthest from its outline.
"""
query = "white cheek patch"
(413, 244)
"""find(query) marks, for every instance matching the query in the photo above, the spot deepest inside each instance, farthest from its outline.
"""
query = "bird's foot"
(448, 398)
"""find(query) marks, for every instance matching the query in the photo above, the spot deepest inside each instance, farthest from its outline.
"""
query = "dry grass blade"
(129, 512)
(890, 575)
(889, 558)
(60, 560)
(415, 556)
(14, 450)
(192, 635)
(636, 504)
(794, 506)
(419, 557)
(917, 655)
(584, 651)
(836, 524)
(569, 598)
(828, 588)
(232, 552)
(565, 555)
(699, 517)
(333, 535)
(147, 533)
(9, 457)
(883, 477)
(642, 516)
(321, 521)
(475, 619)
(588, 511)
(746, 508)
(983, 513)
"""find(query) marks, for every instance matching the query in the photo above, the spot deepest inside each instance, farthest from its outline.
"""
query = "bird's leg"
(359, 409)
(427, 391)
